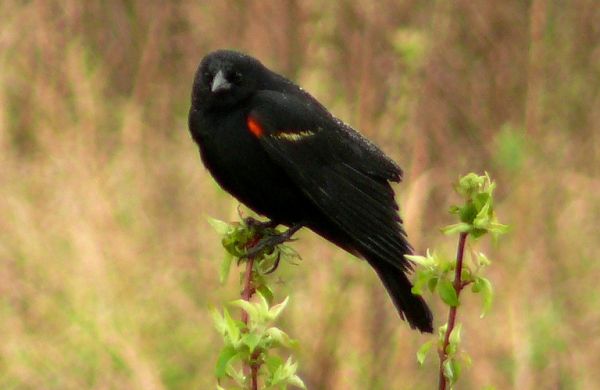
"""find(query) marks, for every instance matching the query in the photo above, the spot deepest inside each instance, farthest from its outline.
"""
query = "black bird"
(281, 153)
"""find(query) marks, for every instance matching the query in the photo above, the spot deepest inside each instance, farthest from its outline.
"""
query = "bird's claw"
(275, 265)
(271, 241)
(266, 242)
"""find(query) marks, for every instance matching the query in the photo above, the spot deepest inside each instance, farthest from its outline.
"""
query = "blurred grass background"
(107, 264)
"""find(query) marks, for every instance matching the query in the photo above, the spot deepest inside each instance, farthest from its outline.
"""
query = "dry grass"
(107, 264)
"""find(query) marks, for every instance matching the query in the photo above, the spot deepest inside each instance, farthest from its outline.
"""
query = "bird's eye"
(207, 75)
(235, 77)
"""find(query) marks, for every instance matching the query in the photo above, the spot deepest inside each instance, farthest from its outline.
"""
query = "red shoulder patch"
(254, 127)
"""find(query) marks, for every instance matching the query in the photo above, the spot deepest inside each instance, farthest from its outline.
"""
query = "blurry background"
(107, 264)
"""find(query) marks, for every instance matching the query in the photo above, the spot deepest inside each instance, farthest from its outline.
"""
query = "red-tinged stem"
(254, 368)
(248, 290)
(458, 286)
(247, 293)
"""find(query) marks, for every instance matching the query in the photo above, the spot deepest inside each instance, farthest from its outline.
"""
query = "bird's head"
(225, 78)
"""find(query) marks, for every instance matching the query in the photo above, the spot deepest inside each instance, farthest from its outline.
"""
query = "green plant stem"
(458, 286)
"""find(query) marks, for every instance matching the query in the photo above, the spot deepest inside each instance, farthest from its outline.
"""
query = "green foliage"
(252, 343)
(436, 274)
(424, 350)
(477, 216)
(447, 277)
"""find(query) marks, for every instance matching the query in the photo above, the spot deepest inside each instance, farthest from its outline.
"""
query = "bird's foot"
(275, 265)
(271, 241)
(260, 225)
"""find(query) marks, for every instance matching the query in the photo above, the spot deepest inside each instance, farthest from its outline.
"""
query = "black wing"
(345, 175)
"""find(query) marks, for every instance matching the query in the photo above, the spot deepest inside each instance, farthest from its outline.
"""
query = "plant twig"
(458, 286)
(247, 293)
(249, 342)
(248, 290)
(476, 218)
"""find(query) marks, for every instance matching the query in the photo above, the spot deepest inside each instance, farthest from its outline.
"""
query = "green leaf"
(290, 367)
(226, 355)
(295, 380)
(442, 333)
(447, 292)
(237, 375)
(225, 267)
(273, 363)
(424, 261)
(482, 220)
(233, 246)
(251, 340)
(282, 373)
(455, 335)
(221, 227)
(233, 328)
(461, 227)
(417, 289)
(432, 283)
(476, 233)
(421, 280)
(218, 320)
(266, 292)
(467, 213)
(423, 351)
(445, 265)
(451, 349)
(470, 183)
(248, 307)
(466, 274)
(263, 306)
(497, 229)
(481, 201)
(281, 338)
(452, 370)
(482, 259)
(484, 286)
(276, 310)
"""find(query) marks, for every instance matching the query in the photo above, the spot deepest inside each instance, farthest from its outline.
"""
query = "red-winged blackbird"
(280, 152)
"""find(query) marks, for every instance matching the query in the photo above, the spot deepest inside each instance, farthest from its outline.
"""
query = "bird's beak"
(220, 83)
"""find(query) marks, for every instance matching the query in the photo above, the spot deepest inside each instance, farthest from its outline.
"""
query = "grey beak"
(220, 83)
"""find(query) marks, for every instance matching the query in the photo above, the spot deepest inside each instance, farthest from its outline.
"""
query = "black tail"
(410, 307)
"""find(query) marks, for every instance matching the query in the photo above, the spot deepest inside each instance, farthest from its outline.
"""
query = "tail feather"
(410, 307)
